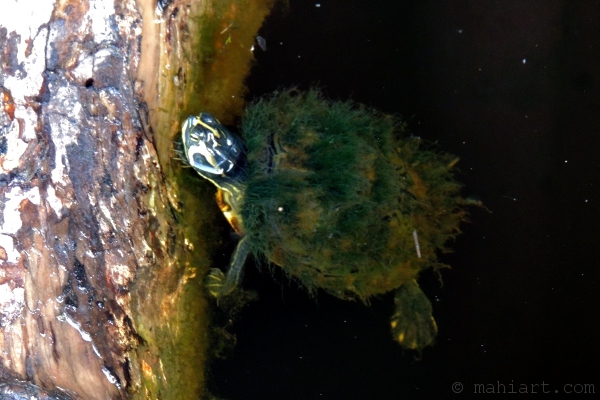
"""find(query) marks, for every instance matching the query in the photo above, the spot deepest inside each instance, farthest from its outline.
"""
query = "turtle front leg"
(219, 284)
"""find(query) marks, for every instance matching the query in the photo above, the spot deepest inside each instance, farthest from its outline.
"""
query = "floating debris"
(417, 247)
(226, 28)
(262, 43)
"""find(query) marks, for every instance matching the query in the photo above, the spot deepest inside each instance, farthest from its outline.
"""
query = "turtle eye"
(208, 119)
(194, 136)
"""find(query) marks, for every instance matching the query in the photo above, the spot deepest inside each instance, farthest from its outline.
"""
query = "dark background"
(512, 87)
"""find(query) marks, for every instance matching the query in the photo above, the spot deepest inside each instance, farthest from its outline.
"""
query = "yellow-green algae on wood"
(202, 55)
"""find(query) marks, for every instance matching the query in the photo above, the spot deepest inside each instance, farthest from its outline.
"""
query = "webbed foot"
(214, 282)
(412, 324)
(219, 284)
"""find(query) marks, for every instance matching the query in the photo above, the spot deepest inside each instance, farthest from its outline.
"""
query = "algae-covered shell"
(336, 194)
(340, 197)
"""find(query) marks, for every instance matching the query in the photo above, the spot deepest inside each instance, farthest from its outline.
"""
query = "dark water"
(513, 88)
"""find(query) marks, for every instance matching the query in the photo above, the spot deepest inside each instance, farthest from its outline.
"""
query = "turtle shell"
(341, 198)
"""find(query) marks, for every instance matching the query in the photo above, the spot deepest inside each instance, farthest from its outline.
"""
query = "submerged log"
(83, 207)
(101, 257)
(95, 268)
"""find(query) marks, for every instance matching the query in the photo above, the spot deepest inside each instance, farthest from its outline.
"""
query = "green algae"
(202, 67)
(344, 199)
(336, 192)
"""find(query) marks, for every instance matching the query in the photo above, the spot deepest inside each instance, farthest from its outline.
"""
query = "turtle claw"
(214, 282)
(218, 285)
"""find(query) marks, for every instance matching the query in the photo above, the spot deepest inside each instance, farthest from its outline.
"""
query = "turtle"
(337, 194)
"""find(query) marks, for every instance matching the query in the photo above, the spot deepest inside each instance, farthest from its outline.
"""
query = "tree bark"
(83, 206)
(100, 255)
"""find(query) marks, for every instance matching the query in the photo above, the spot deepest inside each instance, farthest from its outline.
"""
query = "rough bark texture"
(101, 258)
(83, 207)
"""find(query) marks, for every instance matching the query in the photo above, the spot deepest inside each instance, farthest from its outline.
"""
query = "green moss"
(335, 191)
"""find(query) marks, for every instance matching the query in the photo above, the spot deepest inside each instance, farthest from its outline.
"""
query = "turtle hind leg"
(218, 284)
(412, 324)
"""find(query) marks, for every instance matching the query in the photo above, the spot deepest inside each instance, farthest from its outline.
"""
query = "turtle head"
(214, 152)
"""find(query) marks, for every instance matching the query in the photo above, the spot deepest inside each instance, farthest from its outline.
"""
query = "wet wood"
(85, 221)
(101, 247)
